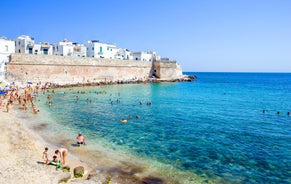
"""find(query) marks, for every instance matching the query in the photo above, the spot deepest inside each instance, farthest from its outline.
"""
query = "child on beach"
(55, 162)
(45, 156)
(55, 158)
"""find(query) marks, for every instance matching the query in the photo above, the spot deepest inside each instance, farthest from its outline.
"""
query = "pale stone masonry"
(72, 70)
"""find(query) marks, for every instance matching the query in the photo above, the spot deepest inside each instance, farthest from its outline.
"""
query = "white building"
(67, 48)
(101, 50)
(6, 48)
(64, 48)
(79, 50)
(145, 56)
(123, 54)
(25, 45)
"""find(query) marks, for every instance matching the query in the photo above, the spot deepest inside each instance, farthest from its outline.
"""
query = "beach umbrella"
(29, 82)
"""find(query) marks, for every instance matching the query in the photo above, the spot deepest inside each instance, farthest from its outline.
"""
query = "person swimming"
(123, 121)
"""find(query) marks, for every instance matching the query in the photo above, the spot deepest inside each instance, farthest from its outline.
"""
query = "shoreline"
(21, 156)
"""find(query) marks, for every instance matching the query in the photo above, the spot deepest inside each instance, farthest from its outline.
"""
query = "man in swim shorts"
(80, 139)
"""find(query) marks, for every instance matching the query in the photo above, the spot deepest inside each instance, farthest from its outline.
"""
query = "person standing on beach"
(62, 153)
(8, 106)
(45, 155)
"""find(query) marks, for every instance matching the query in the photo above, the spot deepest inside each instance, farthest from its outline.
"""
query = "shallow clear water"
(211, 130)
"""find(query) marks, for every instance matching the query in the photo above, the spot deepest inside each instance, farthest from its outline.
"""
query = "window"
(6, 48)
(100, 49)
(30, 50)
(45, 51)
(18, 50)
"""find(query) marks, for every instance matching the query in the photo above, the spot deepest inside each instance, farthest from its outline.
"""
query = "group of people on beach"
(58, 159)
(25, 96)
(60, 155)
(22, 95)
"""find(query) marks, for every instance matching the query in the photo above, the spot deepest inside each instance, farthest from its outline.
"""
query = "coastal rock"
(91, 174)
(66, 169)
(187, 78)
(63, 178)
(79, 172)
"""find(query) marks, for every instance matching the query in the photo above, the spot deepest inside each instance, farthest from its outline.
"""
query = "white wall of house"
(26, 45)
(23, 43)
(6, 48)
(46, 48)
(101, 50)
(64, 48)
(43, 48)
(79, 50)
(143, 56)
(67, 48)
(123, 54)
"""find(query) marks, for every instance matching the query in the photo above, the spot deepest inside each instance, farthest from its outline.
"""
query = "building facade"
(26, 45)
(97, 49)
(67, 48)
(123, 54)
(7, 47)
(145, 56)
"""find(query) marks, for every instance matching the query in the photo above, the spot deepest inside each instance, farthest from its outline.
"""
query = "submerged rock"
(152, 180)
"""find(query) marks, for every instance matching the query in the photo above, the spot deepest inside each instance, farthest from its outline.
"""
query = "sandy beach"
(21, 155)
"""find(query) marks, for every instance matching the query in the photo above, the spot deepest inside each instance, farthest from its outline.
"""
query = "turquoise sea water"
(211, 130)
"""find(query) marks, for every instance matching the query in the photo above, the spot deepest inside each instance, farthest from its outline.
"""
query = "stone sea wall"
(73, 70)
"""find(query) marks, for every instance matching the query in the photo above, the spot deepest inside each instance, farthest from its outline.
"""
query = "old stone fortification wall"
(72, 70)
(168, 70)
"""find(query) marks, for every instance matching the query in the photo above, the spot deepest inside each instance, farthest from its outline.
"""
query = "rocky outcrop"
(79, 172)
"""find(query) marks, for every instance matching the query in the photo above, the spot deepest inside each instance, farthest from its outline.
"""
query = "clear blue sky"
(201, 35)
